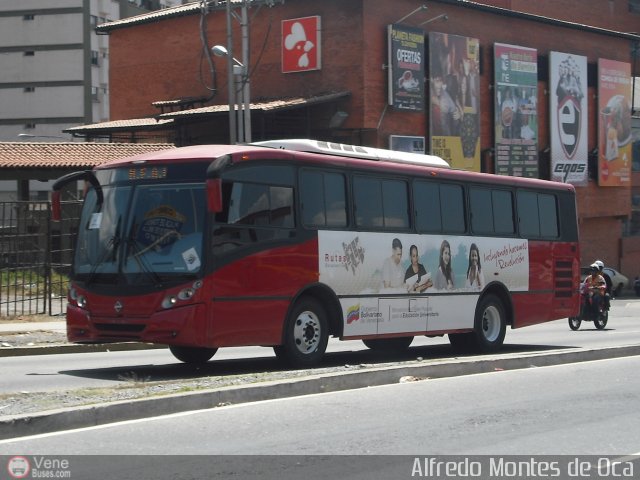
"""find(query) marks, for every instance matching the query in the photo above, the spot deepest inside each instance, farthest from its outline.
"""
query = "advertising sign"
(568, 118)
(404, 143)
(614, 123)
(516, 119)
(301, 44)
(455, 99)
(402, 282)
(406, 67)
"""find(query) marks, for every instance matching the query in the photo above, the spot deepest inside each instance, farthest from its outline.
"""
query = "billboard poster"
(406, 68)
(455, 99)
(614, 123)
(516, 119)
(568, 118)
(404, 143)
(391, 282)
(301, 44)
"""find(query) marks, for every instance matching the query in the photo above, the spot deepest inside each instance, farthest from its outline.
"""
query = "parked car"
(618, 281)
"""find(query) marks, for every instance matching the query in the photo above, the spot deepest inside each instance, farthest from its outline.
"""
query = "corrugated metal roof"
(266, 106)
(69, 154)
(170, 12)
(115, 125)
(166, 119)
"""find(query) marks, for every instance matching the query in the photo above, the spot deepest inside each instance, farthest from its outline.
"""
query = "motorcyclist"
(594, 289)
(607, 279)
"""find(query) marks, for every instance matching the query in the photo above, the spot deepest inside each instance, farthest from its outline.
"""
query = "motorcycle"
(589, 312)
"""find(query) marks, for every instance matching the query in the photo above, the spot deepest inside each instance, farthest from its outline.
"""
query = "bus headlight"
(186, 294)
(169, 301)
(81, 301)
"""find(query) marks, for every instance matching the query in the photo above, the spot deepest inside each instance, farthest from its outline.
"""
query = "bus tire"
(306, 334)
(192, 355)
(490, 325)
(396, 344)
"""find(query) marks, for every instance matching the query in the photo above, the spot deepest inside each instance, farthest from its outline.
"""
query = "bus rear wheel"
(396, 344)
(306, 334)
(192, 355)
(490, 325)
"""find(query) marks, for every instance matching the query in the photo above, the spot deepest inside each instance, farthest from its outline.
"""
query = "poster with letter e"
(614, 123)
(406, 68)
(568, 118)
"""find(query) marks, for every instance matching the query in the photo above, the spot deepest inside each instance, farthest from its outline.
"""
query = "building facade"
(338, 87)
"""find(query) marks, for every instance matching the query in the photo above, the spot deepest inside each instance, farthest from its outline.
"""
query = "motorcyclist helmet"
(594, 268)
(599, 264)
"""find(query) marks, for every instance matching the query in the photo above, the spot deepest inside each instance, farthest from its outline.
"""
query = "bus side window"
(381, 203)
(537, 215)
(323, 199)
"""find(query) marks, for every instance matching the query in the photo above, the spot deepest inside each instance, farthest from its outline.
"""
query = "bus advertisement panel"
(438, 272)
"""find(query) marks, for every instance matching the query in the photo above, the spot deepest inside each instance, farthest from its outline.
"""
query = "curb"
(75, 348)
(78, 417)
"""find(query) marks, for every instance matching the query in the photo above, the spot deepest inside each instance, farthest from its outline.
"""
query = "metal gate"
(35, 257)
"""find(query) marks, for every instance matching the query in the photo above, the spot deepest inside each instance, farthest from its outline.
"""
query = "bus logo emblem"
(117, 306)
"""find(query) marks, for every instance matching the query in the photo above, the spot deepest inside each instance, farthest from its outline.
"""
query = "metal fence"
(35, 257)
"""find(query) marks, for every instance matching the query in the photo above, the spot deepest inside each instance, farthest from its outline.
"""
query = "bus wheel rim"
(307, 332)
(491, 323)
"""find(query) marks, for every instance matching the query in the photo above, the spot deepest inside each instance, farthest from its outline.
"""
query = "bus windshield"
(143, 233)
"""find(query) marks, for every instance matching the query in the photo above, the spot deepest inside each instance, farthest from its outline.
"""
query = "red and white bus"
(287, 243)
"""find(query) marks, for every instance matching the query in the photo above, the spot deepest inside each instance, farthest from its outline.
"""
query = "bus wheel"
(574, 323)
(490, 325)
(396, 344)
(306, 334)
(192, 355)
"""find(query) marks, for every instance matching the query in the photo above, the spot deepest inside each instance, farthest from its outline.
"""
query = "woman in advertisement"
(475, 278)
(445, 279)
(416, 277)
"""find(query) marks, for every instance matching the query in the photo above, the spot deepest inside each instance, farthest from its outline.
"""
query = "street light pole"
(230, 77)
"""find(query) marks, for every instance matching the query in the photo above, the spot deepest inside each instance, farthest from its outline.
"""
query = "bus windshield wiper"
(111, 248)
(137, 254)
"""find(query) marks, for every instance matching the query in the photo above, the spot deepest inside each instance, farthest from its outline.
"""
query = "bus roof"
(355, 151)
(351, 156)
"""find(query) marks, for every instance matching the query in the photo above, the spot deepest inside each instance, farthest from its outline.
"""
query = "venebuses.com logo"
(18, 467)
(38, 467)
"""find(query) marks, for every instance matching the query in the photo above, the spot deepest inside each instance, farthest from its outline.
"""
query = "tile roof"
(69, 154)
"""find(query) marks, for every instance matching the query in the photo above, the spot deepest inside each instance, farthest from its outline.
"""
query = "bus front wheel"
(192, 355)
(306, 334)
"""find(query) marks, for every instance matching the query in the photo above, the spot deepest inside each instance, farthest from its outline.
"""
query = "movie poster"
(406, 68)
(614, 123)
(568, 118)
(516, 119)
(455, 99)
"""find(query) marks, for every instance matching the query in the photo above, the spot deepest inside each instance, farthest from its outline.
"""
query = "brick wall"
(162, 61)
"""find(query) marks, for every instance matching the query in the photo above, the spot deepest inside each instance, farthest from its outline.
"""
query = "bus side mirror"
(56, 208)
(214, 195)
